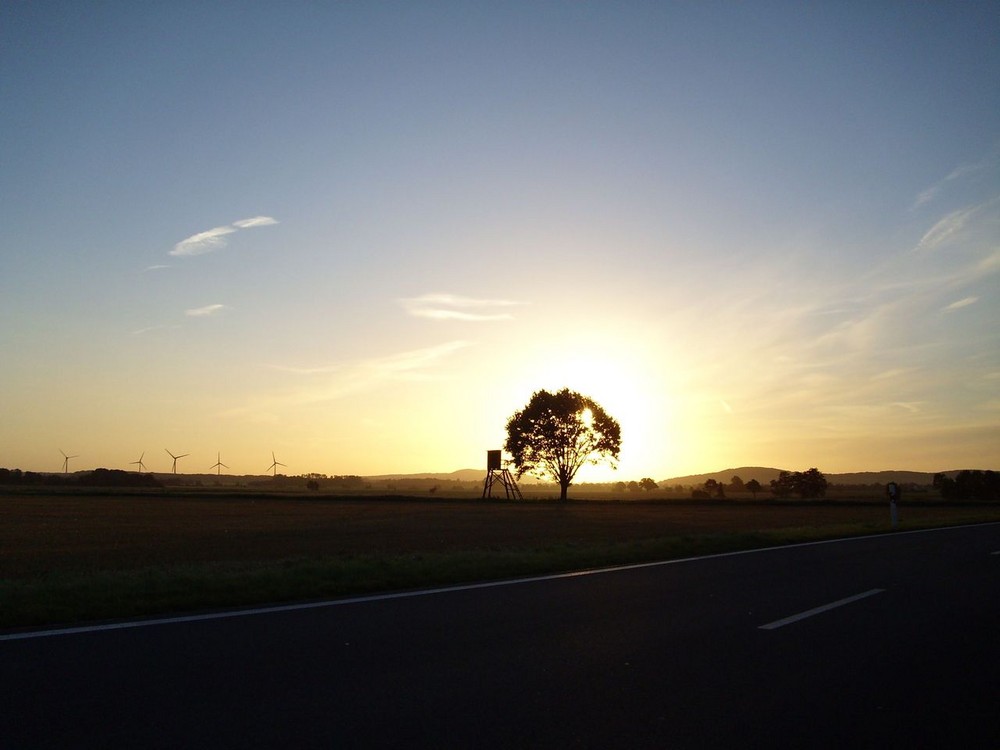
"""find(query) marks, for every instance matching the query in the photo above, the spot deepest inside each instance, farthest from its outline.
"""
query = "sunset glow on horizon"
(360, 237)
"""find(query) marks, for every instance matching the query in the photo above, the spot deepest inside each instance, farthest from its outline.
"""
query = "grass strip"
(65, 598)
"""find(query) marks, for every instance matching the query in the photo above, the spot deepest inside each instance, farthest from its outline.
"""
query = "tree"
(736, 484)
(945, 485)
(753, 486)
(648, 484)
(557, 433)
(716, 488)
(810, 483)
(805, 484)
(783, 485)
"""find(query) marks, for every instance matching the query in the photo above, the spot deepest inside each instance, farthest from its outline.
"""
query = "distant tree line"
(969, 485)
(646, 484)
(95, 478)
(806, 484)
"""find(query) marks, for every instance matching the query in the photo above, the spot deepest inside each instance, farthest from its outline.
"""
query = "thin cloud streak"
(214, 239)
(946, 229)
(961, 303)
(350, 379)
(926, 196)
(147, 329)
(459, 315)
(455, 307)
(256, 221)
(207, 310)
(203, 242)
(962, 170)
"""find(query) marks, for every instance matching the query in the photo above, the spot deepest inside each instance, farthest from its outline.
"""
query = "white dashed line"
(818, 610)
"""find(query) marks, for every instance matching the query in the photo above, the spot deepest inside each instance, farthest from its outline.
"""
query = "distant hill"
(764, 475)
(462, 475)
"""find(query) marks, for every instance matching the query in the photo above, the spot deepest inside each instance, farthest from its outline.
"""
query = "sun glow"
(631, 390)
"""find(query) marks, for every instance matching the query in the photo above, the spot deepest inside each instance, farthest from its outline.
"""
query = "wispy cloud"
(256, 221)
(393, 366)
(213, 239)
(961, 303)
(988, 265)
(455, 307)
(926, 196)
(203, 242)
(962, 170)
(946, 229)
(406, 365)
(158, 267)
(204, 312)
(147, 329)
(340, 380)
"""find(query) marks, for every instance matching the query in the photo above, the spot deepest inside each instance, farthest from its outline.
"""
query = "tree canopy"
(969, 485)
(806, 484)
(557, 433)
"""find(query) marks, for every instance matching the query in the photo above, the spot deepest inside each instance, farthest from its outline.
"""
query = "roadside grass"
(72, 596)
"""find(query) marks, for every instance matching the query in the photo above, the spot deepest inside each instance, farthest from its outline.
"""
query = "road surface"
(874, 642)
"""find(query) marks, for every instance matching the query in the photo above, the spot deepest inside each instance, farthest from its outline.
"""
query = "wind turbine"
(218, 464)
(275, 464)
(139, 463)
(175, 458)
(66, 461)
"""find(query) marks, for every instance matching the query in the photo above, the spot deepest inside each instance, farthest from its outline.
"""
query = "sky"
(361, 235)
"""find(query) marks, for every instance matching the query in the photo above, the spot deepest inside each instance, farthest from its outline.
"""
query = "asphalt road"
(673, 655)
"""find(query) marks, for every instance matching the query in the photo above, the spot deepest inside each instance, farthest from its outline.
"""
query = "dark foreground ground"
(660, 656)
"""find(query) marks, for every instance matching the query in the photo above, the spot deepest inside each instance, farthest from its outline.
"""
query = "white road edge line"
(445, 589)
(817, 610)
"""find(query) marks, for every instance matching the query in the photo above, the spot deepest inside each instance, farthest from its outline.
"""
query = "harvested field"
(45, 534)
(71, 558)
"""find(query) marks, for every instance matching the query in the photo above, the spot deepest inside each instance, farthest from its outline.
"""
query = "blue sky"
(361, 235)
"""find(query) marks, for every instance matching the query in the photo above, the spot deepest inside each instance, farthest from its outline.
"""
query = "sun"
(631, 394)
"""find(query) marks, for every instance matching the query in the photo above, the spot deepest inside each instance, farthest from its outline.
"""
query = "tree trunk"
(563, 488)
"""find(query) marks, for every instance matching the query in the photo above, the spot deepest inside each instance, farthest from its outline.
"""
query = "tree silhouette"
(557, 433)
(969, 485)
(716, 488)
(753, 486)
(806, 484)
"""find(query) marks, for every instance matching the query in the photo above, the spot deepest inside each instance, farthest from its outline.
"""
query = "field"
(66, 558)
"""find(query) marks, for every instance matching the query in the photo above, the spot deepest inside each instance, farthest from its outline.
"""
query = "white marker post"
(892, 490)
